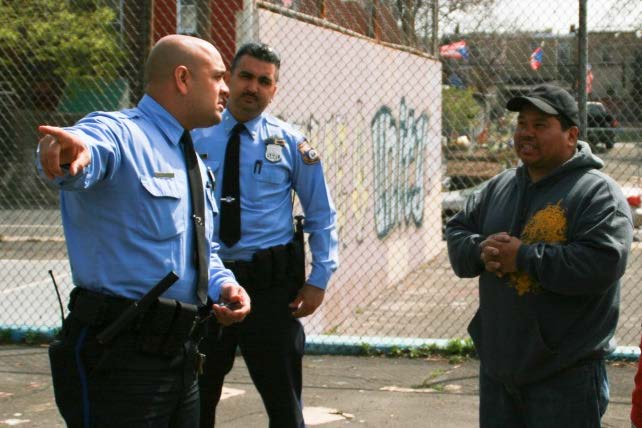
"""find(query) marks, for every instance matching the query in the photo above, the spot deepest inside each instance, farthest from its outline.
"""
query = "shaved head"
(172, 51)
(185, 75)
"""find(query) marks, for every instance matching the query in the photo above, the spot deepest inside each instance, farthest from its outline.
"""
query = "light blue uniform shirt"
(267, 177)
(127, 216)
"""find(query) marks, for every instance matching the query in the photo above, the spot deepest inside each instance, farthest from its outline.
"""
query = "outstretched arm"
(59, 147)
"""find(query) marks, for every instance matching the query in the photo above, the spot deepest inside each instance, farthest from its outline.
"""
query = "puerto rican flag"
(589, 78)
(455, 50)
(536, 58)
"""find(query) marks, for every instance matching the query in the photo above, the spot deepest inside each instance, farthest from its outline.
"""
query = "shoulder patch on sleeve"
(308, 154)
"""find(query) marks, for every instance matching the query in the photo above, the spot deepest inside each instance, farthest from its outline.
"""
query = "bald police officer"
(128, 219)
(258, 161)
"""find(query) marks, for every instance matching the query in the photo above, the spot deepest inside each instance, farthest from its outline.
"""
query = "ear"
(274, 92)
(182, 79)
(572, 136)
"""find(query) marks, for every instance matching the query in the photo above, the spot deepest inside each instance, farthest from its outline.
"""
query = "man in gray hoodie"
(549, 241)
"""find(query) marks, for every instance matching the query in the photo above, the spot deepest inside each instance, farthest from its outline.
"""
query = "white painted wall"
(374, 114)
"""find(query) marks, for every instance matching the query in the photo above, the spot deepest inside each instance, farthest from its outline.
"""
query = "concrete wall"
(373, 113)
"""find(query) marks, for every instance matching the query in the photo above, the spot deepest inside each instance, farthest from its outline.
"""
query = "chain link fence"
(404, 100)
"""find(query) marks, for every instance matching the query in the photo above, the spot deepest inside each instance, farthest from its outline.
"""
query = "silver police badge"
(273, 152)
(274, 149)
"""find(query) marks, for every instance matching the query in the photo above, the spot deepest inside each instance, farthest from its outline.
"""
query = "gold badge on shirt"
(274, 149)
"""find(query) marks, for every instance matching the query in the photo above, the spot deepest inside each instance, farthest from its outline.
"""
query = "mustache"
(249, 94)
(525, 140)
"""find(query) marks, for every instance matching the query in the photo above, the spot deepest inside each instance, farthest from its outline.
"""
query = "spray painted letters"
(398, 149)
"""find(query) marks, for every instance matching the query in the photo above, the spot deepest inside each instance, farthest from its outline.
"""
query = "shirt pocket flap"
(272, 175)
(161, 210)
(161, 187)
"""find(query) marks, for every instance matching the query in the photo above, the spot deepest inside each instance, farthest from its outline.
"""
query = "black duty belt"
(268, 268)
(161, 329)
(96, 309)
(271, 267)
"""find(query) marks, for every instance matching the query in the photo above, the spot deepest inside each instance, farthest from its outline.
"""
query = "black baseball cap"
(551, 100)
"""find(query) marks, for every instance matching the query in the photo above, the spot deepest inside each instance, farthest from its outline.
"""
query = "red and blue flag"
(589, 78)
(536, 58)
(455, 50)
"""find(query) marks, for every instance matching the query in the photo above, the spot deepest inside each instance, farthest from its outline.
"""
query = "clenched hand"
(59, 147)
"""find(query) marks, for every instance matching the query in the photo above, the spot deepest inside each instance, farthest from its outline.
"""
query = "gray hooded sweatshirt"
(562, 305)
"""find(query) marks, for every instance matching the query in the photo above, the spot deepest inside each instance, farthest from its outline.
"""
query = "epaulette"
(129, 113)
(278, 127)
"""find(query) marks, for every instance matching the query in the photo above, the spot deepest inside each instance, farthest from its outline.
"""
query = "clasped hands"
(499, 253)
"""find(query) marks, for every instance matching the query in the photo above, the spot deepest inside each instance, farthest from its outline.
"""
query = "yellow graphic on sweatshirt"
(547, 225)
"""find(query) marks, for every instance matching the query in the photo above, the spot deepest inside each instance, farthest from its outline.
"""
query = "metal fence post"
(582, 46)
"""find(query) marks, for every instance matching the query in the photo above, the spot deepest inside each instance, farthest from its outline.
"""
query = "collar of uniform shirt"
(163, 120)
(252, 126)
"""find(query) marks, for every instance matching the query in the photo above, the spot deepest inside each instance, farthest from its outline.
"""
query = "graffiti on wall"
(395, 182)
(399, 162)
(342, 143)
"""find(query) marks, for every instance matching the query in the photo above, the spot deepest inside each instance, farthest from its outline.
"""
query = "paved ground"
(374, 392)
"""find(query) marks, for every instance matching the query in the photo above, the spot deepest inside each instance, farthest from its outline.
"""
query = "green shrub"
(460, 112)
(5, 335)
(33, 337)
(455, 350)
(49, 43)
(76, 39)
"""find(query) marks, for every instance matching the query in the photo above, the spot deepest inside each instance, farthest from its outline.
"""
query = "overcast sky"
(556, 15)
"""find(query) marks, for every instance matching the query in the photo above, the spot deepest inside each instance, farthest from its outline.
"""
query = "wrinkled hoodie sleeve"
(463, 238)
(600, 234)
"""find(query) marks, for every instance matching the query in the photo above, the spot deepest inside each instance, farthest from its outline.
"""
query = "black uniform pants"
(119, 386)
(272, 342)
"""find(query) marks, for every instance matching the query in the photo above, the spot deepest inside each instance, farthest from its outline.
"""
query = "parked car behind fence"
(601, 125)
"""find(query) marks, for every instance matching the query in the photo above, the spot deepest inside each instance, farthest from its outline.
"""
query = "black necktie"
(198, 215)
(230, 224)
